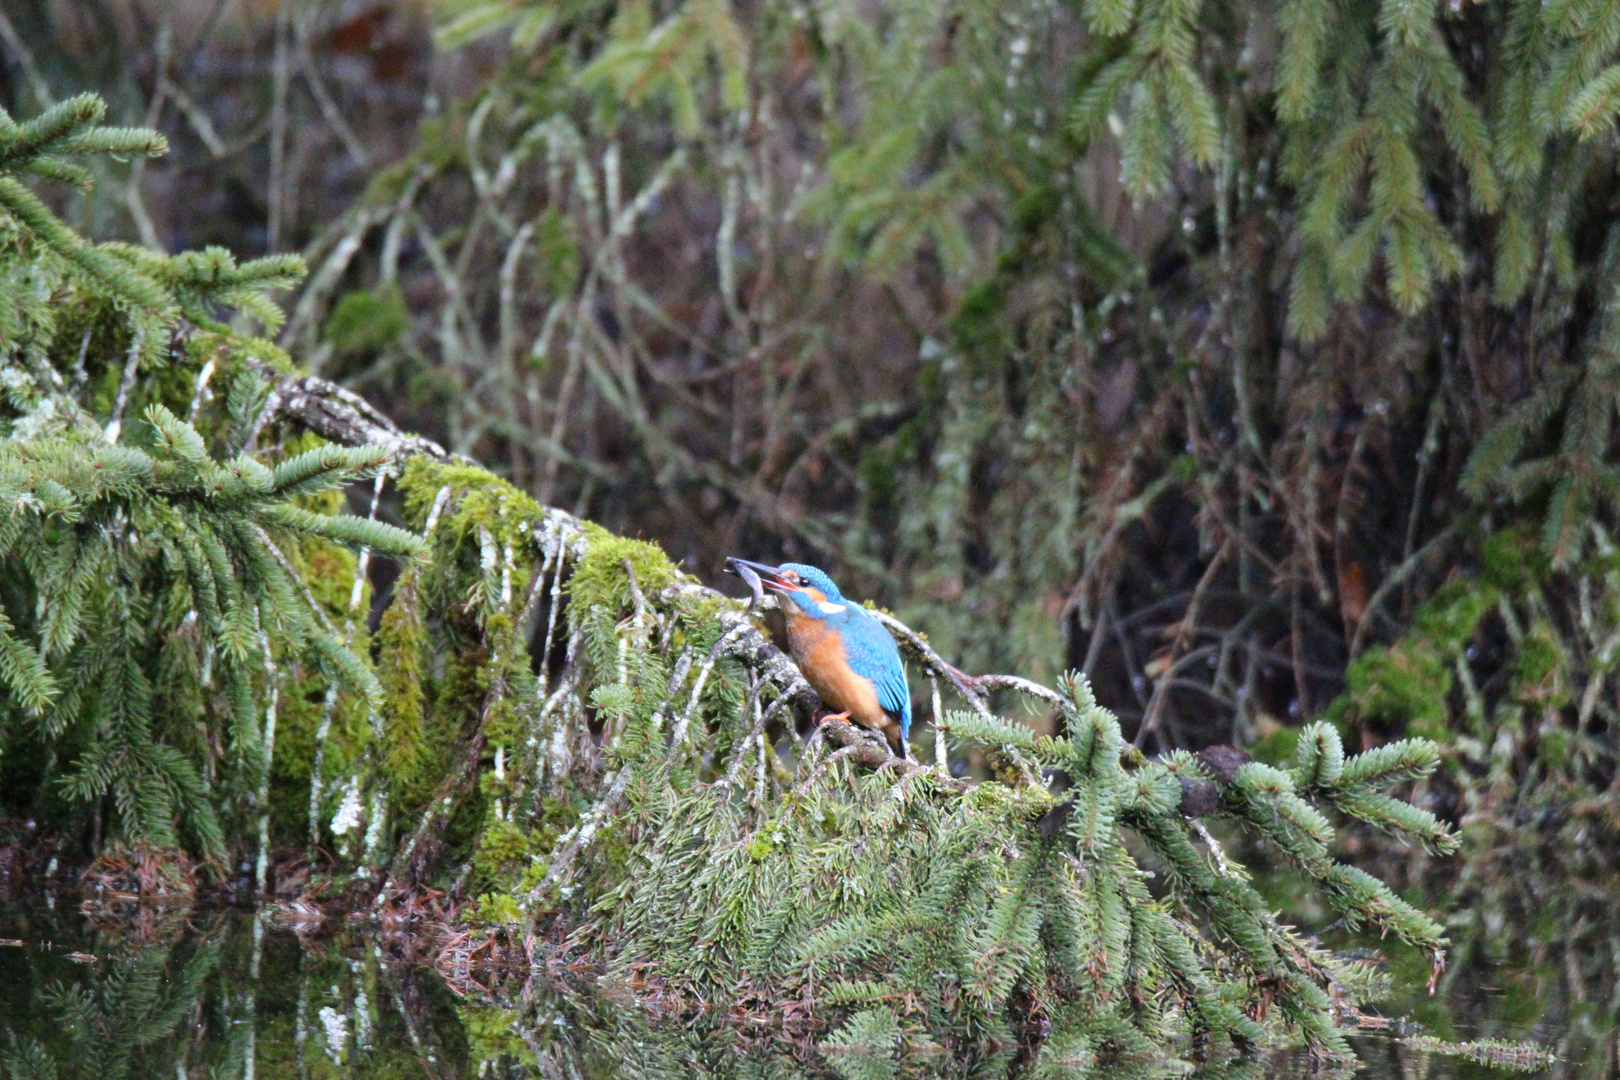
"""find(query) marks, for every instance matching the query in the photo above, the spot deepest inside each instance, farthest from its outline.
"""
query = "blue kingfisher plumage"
(845, 654)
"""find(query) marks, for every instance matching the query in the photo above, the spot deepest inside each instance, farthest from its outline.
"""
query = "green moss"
(329, 571)
(1514, 559)
(1277, 746)
(401, 648)
(599, 578)
(1400, 685)
(504, 726)
(1554, 747)
(367, 320)
(559, 250)
(977, 325)
(762, 846)
(493, 1036)
(1540, 669)
(1406, 685)
(1450, 617)
(504, 850)
(480, 498)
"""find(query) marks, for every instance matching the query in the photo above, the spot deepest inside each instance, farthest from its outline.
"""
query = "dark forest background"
(1253, 358)
(1258, 359)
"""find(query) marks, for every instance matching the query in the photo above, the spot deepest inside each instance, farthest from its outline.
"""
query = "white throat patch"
(830, 609)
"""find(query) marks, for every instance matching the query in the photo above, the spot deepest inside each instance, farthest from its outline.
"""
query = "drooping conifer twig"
(267, 748)
(419, 851)
(1221, 787)
(323, 728)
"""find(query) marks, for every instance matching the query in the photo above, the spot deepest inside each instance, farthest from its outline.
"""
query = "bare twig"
(678, 739)
(195, 116)
(267, 749)
(965, 686)
(1394, 579)
(323, 98)
(330, 272)
(341, 416)
(1174, 660)
(200, 392)
(132, 360)
(133, 197)
(25, 60)
(942, 759)
(280, 80)
(562, 864)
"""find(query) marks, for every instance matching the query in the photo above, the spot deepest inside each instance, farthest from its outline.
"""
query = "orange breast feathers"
(819, 651)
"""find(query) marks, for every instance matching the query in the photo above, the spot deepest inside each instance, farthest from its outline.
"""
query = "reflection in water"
(229, 996)
(1535, 931)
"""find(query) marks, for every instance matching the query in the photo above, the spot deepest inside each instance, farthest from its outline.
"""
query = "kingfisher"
(845, 654)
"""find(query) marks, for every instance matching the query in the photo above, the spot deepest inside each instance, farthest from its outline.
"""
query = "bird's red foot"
(834, 716)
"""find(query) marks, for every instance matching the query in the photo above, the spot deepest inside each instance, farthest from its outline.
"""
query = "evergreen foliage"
(120, 1027)
(147, 582)
(1098, 337)
(1120, 336)
(562, 719)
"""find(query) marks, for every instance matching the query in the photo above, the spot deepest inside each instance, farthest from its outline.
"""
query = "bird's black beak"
(757, 574)
(759, 577)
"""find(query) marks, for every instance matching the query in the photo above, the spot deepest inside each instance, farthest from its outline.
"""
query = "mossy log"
(652, 791)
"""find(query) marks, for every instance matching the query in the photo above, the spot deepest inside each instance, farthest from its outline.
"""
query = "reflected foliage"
(225, 995)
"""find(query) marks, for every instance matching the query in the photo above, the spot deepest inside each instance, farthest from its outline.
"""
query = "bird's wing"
(873, 655)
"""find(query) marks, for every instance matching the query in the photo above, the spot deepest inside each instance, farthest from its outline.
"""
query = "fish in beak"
(760, 577)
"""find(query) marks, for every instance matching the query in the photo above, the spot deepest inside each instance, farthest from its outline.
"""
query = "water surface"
(137, 992)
